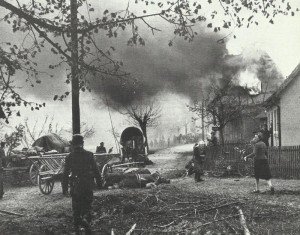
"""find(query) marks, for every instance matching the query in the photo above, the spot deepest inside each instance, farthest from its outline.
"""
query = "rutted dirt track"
(177, 207)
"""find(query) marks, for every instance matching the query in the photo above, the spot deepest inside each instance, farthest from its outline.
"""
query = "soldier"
(198, 161)
(82, 166)
(101, 148)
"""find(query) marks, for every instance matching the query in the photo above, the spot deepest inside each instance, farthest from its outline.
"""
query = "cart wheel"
(45, 182)
(34, 172)
(104, 174)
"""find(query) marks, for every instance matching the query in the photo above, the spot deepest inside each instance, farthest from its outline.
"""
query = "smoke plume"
(185, 69)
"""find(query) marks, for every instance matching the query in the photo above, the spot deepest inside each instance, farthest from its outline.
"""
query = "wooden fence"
(284, 161)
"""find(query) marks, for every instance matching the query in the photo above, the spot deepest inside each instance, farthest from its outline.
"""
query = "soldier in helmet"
(83, 169)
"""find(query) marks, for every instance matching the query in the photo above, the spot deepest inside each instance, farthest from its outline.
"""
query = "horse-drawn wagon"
(133, 146)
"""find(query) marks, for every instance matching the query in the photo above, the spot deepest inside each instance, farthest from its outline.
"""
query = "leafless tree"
(86, 130)
(224, 103)
(144, 116)
(38, 129)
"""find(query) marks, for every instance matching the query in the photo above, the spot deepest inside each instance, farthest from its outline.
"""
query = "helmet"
(77, 139)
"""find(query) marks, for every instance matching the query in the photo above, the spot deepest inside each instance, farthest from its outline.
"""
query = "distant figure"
(83, 168)
(265, 134)
(101, 148)
(199, 152)
(213, 141)
(261, 165)
(2, 164)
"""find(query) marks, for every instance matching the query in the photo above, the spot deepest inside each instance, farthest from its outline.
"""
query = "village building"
(252, 117)
(283, 112)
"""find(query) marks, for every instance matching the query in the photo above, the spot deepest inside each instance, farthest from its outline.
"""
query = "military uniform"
(82, 166)
(198, 162)
(100, 149)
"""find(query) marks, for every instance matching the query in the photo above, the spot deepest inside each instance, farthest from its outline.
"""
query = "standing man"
(101, 148)
(198, 161)
(2, 164)
(82, 166)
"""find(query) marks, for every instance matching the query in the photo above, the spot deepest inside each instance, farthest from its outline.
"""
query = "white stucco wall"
(290, 114)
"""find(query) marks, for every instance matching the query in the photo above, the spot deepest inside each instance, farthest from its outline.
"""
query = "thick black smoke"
(182, 68)
(185, 68)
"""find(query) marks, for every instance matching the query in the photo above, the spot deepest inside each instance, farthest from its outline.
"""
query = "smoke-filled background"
(172, 76)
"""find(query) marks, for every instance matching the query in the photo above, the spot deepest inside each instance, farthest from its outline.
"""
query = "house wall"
(274, 122)
(290, 113)
(242, 129)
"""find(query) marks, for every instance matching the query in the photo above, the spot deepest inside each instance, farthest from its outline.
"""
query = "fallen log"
(11, 213)
(243, 221)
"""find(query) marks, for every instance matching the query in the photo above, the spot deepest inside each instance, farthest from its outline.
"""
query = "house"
(283, 111)
(253, 116)
(242, 129)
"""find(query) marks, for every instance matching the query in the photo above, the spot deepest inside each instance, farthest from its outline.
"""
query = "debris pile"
(163, 210)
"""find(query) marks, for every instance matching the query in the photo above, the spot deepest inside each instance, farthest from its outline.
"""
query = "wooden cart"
(51, 168)
(23, 165)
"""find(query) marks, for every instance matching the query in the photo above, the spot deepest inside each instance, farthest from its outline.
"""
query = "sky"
(162, 71)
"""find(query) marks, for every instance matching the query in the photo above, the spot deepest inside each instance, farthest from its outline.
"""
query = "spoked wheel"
(104, 174)
(45, 181)
(34, 172)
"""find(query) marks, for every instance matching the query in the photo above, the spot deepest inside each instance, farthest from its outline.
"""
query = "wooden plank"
(22, 168)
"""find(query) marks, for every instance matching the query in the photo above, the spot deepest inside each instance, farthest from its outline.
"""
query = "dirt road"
(154, 209)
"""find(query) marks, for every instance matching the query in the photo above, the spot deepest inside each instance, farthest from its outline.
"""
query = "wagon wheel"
(45, 181)
(104, 174)
(34, 172)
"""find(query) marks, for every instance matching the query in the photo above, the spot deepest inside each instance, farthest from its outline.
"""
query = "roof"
(284, 85)
(261, 115)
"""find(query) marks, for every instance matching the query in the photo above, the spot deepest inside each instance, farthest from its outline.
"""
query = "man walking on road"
(82, 166)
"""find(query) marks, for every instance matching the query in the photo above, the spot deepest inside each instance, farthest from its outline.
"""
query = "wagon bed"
(51, 167)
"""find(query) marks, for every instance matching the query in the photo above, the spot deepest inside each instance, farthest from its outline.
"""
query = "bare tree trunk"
(144, 130)
(202, 121)
(74, 69)
(221, 134)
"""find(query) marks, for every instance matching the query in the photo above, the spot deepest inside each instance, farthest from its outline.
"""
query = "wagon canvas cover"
(52, 142)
